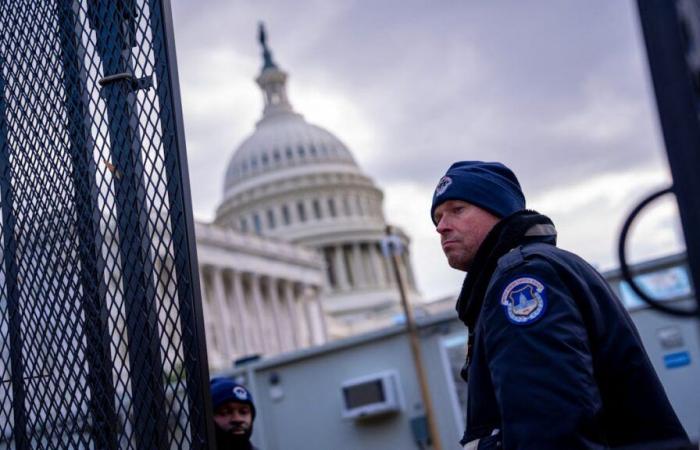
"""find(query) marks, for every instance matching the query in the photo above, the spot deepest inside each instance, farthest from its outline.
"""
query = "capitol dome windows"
(301, 151)
(301, 211)
(360, 206)
(286, 219)
(346, 205)
(265, 159)
(289, 153)
(276, 156)
(317, 208)
(257, 224)
(271, 219)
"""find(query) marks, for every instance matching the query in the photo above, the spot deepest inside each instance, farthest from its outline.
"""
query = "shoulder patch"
(524, 300)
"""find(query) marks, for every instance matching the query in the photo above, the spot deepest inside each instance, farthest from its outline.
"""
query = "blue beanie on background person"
(226, 390)
(488, 185)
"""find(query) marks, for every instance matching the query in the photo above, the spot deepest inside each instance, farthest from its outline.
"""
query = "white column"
(322, 317)
(367, 264)
(310, 323)
(224, 319)
(294, 217)
(245, 301)
(358, 272)
(315, 319)
(366, 207)
(325, 210)
(305, 337)
(259, 313)
(376, 262)
(310, 212)
(239, 311)
(329, 275)
(341, 275)
(357, 199)
(288, 287)
(277, 215)
(271, 286)
(206, 312)
(203, 291)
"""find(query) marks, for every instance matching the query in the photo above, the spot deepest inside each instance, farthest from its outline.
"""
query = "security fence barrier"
(101, 335)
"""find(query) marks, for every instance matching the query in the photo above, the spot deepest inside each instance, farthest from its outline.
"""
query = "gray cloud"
(557, 90)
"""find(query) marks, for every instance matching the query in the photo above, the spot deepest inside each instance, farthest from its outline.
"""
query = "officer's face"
(462, 227)
(235, 418)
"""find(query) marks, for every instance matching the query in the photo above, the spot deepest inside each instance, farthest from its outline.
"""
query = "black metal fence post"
(114, 26)
(92, 284)
(185, 256)
(14, 314)
(672, 50)
(101, 331)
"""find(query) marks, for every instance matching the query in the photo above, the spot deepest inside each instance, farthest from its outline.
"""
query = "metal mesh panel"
(101, 342)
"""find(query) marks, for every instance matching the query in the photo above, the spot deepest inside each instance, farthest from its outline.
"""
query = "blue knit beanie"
(488, 185)
(225, 390)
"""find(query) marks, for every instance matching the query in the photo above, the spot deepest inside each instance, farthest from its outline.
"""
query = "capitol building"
(294, 255)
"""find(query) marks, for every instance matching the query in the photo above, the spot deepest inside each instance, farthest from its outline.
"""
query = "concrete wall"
(681, 383)
(303, 410)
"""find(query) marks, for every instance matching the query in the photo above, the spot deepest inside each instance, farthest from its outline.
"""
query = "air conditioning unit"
(371, 395)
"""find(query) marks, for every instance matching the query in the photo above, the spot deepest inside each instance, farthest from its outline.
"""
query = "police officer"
(553, 359)
(234, 413)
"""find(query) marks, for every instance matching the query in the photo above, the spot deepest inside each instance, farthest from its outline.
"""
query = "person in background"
(234, 413)
(554, 361)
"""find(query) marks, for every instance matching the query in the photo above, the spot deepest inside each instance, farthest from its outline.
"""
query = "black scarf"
(505, 235)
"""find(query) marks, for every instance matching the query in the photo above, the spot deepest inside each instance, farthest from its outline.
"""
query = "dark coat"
(563, 368)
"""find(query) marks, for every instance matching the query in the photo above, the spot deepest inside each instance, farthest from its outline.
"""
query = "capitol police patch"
(240, 393)
(442, 185)
(524, 300)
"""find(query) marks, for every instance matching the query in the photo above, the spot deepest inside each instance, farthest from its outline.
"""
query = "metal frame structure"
(101, 328)
(671, 30)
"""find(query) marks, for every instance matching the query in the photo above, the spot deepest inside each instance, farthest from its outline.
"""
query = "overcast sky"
(558, 90)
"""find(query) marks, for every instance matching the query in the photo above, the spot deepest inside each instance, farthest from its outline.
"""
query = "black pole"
(182, 223)
(114, 23)
(676, 84)
(93, 289)
(9, 254)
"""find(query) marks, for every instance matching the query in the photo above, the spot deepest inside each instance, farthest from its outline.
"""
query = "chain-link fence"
(101, 334)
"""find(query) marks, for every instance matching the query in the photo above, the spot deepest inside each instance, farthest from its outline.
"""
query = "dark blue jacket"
(562, 367)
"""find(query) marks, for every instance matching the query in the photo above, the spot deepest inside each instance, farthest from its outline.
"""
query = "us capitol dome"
(294, 184)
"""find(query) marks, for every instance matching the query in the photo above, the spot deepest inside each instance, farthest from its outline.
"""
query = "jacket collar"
(520, 228)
